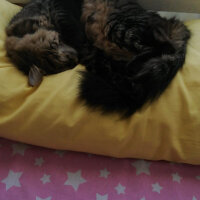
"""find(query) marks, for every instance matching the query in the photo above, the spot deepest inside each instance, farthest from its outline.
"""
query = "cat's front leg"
(27, 26)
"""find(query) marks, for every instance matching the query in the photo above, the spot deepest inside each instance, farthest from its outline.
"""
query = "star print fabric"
(33, 173)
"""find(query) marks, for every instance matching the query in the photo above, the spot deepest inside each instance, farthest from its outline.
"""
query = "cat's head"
(41, 53)
(52, 61)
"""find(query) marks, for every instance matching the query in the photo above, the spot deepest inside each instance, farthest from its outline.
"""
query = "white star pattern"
(19, 148)
(38, 198)
(156, 188)
(101, 197)
(104, 173)
(12, 179)
(34, 173)
(142, 167)
(198, 178)
(120, 189)
(176, 177)
(74, 179)
(194, 198)
(60, 153)
(39, 161)
(45, 179)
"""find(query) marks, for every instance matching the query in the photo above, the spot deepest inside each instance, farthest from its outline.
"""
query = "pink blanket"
(33, 173)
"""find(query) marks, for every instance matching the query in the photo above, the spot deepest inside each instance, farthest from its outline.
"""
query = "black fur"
(157, 47)
(124, 87)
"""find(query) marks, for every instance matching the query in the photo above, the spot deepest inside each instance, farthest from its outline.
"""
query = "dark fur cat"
(131, 55)
(42, 38)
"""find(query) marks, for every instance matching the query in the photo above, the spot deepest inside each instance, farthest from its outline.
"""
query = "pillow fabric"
(52, 116)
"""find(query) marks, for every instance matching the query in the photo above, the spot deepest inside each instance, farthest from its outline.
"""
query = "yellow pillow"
(51, 115)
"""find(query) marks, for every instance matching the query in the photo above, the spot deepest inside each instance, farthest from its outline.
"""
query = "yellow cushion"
(51, 115)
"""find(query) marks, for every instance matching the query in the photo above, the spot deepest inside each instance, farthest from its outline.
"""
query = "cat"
(41, 38)
(130, 54)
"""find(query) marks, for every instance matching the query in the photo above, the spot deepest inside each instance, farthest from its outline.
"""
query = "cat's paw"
(52, 39)
(46, 39)
(125, 36)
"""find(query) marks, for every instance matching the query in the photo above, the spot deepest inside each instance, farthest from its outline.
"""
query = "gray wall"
(164, 5)
(172, 5)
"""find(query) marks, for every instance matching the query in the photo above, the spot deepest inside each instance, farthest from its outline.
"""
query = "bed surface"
(33, 173)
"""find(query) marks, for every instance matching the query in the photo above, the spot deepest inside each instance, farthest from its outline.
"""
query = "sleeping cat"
(41, 38)
(130, 54)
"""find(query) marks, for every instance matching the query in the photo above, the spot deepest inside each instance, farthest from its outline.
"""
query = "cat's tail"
(143, 80)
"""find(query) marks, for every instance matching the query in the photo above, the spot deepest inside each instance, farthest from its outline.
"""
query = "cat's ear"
(35, 76)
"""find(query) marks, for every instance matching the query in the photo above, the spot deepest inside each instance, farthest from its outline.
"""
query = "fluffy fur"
(131, 55)
(45, 34)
